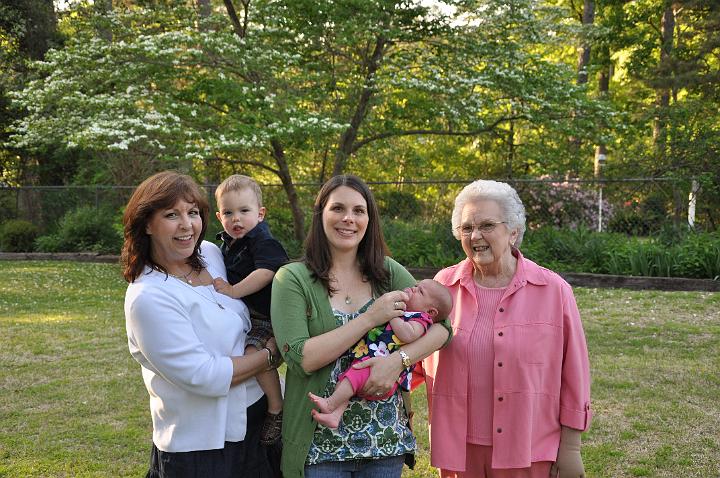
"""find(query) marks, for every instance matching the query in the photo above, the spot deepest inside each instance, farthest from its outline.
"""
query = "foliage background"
(291, 92)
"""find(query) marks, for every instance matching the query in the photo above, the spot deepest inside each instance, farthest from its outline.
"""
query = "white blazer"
(183, 341)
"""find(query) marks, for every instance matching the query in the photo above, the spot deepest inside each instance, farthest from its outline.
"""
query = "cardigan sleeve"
(289, 314)
(575, 381)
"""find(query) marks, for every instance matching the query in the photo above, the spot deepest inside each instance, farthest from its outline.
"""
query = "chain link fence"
(634, 206)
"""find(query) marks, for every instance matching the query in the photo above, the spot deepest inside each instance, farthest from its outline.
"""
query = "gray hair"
(503, 194)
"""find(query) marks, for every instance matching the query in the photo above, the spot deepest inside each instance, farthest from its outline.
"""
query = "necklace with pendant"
(185, 277)
(192, 288)
(348, 300)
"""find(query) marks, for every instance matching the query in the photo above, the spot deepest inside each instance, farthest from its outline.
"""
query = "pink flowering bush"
(562, 204)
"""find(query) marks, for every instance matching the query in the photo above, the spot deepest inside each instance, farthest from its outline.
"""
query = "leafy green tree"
(298, 90)
(668, 85)
(28, 28)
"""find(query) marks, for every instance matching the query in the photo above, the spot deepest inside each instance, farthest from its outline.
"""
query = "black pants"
(247, 459)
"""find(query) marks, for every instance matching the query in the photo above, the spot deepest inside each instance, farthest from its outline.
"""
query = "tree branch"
(349, 136)
(246, 14)
(232, 13)
(245, 162)
(434, 132)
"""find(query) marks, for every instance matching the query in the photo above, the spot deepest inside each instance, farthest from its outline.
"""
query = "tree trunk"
(212, 166)
(588, 18)
(510, 159)
(103, 7)
(662, 101)
(40, 24)
(28, 199)
(240, 27)
(603, 92)
(347, 140)
(284, 173)
(204, 9)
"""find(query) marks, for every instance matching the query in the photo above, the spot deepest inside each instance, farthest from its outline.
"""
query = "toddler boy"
(252, 256)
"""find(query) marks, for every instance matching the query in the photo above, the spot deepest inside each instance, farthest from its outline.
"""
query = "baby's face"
(421, 296)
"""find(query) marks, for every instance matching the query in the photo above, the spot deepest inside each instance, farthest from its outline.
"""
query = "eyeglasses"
(466, 230)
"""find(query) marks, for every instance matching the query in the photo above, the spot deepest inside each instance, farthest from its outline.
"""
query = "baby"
(431, 302)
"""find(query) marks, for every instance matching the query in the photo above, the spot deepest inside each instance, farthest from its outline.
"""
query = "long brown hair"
(160, 191)
(372, 249)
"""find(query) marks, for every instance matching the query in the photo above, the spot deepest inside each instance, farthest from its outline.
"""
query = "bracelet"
(269, 358)
(404, 358)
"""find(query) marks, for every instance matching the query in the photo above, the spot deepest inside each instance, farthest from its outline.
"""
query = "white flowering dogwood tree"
(293, 90)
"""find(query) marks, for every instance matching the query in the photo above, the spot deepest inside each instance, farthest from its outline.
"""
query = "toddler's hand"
(222, 286)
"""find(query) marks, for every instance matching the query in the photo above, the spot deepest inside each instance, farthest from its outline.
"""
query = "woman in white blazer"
(205, 403)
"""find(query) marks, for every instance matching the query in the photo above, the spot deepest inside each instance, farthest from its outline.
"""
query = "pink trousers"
(357, 379)
(477, 465)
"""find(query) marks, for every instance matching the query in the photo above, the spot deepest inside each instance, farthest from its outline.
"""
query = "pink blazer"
(541, 376)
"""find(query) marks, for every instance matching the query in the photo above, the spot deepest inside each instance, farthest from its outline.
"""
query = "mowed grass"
(72, 402)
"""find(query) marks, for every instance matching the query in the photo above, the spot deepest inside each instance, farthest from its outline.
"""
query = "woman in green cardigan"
(321, 306)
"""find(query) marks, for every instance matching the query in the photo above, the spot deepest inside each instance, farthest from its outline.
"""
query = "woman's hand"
(271, 343)
(387, 306)
(249, 365)
(383, 374)
(275, 359)
(569, 462)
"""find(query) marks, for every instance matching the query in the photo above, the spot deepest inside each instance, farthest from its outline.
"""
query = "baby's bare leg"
(269, 382)
(332, 419)
(341, 396)
(332, 407)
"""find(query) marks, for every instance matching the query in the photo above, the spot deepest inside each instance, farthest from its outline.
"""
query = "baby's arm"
(406, 331)
(257, 279)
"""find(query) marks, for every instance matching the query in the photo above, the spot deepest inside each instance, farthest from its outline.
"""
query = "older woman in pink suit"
(510, 395)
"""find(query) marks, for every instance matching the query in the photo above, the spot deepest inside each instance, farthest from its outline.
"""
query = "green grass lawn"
(72, 402)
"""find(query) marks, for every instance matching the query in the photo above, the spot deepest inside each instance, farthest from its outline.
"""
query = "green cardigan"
(300, 309)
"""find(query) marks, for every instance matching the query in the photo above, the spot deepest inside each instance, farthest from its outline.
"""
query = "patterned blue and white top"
(369, 428)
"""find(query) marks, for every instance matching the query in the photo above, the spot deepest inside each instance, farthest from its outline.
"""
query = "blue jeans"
(390, 467)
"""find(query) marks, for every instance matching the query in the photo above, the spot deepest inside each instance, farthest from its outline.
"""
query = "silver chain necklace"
(212, 292)
(185, 278)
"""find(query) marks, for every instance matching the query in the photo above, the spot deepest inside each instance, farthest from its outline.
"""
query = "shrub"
(654, 210)
(85, 229)
(565, 205)
(640, 218)
(421, 244)
(280, 221)
(628, 221)
(49, 243)
(398, 205)
(699, 255)
(578, 250)
(8, 204)
(694, 255)
(17, 235)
